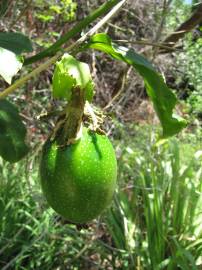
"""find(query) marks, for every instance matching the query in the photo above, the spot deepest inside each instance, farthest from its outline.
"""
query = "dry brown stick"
(122, 82)
(144, 42)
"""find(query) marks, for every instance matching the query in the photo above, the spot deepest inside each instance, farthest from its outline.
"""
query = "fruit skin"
(79, 180)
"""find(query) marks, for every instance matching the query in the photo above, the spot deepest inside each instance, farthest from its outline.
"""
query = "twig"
(53, 59)
(142, 42)
(121, 89)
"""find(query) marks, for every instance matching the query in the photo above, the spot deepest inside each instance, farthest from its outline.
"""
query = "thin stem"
(144, 42)
(73, 120)
(33, 73)
(53, 59)
(121, 89)
(75, 30)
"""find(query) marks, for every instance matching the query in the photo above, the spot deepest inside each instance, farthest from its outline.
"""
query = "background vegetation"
(155, 219)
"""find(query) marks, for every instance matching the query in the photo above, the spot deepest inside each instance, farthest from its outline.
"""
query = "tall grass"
(32, 236)
(157, 216)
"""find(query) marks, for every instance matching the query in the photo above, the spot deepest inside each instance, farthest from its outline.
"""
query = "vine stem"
(73, 120)
(33, 73)
(53, 59)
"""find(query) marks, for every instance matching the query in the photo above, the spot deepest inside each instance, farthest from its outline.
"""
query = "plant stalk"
(69, 131)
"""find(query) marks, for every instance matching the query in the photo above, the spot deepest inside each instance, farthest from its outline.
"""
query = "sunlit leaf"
(164, 100)
(10, 64)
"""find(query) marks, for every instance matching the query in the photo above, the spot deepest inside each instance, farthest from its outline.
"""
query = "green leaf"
(164, 100)
(11, 64)
(70, 73)
(12, 133)
(15, 42)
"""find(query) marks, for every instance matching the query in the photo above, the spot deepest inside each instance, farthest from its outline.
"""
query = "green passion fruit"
(78, 180)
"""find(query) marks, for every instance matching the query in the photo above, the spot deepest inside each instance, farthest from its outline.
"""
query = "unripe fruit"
(78, 180)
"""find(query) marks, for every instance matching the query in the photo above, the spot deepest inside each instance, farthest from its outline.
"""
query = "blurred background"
(155, 219)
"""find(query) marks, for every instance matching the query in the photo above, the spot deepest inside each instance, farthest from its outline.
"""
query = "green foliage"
(49, 9)
(13, 132)
(190, 63)
(156, 216)
(69, 74)
(179, 12)
(162, 97)
(66, 8)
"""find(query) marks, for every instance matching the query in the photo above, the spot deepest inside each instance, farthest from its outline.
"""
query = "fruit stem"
(73, 119)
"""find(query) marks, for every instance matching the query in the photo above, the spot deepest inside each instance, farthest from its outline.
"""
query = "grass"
(154, 222)
(158, 213)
